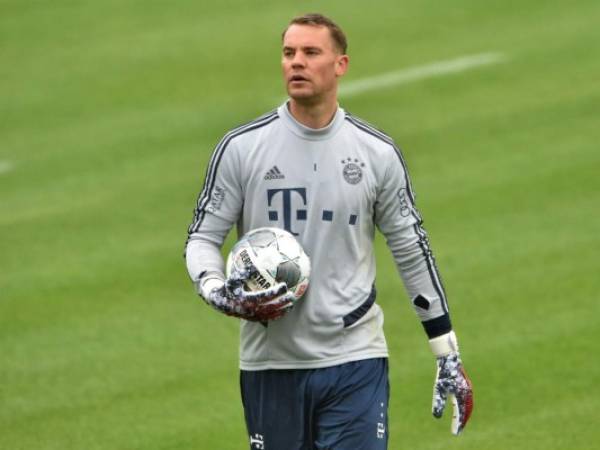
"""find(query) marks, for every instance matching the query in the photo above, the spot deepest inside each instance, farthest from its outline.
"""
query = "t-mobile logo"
(257, 441)
(286, 204)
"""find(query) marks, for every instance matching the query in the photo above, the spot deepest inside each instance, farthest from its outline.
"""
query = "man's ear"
(341, 65)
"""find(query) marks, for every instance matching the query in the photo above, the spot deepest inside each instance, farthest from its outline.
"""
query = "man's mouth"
(297, 78)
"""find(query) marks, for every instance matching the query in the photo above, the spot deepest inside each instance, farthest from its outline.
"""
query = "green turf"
(108, 114)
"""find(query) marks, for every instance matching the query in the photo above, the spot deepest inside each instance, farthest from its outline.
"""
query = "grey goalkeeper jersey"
(331, 188)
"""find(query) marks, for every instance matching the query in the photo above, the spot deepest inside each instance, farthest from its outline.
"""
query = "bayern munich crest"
(352, 170)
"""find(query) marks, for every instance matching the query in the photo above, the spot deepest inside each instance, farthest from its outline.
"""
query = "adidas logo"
(274, 174)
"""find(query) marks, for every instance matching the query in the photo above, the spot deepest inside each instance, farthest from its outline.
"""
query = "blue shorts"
(335, 408)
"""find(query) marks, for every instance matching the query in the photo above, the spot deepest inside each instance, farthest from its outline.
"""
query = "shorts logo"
(352, 170)
(381, 425)
(257, 441)
(380, 430)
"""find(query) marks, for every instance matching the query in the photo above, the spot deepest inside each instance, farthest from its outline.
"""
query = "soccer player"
(317, 377)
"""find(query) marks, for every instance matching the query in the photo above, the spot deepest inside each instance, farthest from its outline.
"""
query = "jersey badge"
(352, 170)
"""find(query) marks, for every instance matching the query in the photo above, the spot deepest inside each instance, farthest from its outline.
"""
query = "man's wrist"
(437, 326)
(444, 345)
(208, 281)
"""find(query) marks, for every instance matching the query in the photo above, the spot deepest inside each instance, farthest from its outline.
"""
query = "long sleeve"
(398, 219)
(217, 210)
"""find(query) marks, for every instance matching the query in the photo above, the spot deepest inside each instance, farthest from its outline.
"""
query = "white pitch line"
(6, 166)
(419, 73)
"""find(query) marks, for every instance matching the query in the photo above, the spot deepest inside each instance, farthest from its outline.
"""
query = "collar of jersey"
(313, 134)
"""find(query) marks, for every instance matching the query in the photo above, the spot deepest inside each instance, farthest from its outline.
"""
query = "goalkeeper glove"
(229, 297)
(451, 381)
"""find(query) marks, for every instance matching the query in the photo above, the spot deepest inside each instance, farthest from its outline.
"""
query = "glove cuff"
(208, 282)
(444, 345)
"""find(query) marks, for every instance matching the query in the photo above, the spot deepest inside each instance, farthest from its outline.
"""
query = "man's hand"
(452, 381)
(229, 297)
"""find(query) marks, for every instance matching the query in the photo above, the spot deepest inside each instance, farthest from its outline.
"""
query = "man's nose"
(298, 60)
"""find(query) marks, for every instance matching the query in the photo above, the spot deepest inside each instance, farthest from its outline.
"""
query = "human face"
(311, 63)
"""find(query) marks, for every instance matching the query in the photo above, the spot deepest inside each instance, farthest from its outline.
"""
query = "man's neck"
(313, 115)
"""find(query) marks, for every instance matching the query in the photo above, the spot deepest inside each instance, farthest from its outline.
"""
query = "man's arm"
(219, 206)
(399, 220)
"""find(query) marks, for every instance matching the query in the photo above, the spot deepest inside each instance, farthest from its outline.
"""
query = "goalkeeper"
(317, 376)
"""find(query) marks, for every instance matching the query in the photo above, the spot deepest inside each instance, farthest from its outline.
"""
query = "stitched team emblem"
(352, 170)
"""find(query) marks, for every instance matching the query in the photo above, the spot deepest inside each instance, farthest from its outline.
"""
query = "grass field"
(108, 115)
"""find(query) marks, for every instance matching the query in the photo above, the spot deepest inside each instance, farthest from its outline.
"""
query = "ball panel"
(261, 238)
(278, 257)
(289, 273)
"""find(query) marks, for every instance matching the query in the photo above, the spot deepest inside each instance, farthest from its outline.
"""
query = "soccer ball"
(277, 256)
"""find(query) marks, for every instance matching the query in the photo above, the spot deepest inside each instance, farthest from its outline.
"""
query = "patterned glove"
(452, 381)
(229, 297)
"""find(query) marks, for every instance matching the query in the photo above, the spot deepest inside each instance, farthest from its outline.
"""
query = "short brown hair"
(319, 20)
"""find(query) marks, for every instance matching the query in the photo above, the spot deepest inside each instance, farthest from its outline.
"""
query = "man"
(317, 377)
